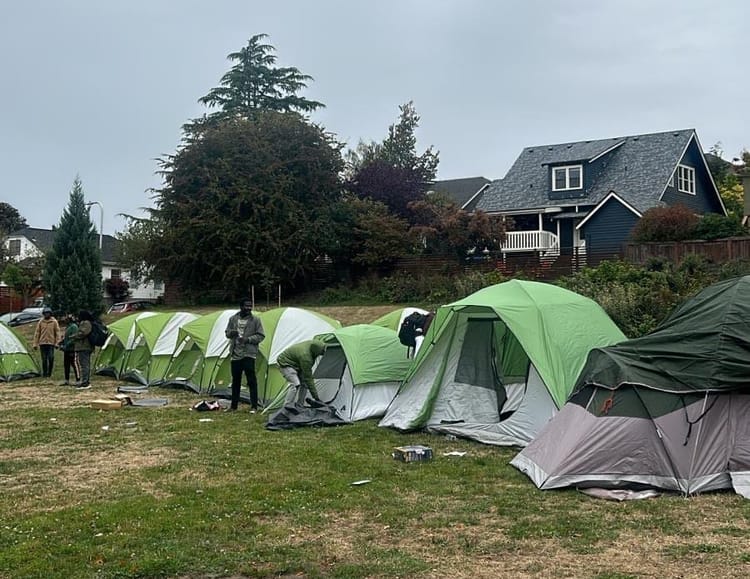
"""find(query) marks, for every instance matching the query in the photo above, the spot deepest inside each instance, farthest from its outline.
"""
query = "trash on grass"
(455, 453)
(356, 483)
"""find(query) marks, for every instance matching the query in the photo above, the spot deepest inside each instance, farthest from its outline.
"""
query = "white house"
(34, 242)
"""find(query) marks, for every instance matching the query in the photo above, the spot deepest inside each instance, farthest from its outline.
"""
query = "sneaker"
(83, 386)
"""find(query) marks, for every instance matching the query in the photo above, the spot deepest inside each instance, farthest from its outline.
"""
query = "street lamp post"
(101, 220)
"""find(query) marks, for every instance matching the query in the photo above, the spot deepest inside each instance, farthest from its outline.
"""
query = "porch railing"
(530, 241)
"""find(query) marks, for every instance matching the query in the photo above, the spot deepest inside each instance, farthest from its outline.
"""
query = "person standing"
(69, 355)
(296, 364)
(245, 332)
(82, 348)
(46, 337)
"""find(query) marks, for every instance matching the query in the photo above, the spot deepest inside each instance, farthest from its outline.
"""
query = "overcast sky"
(101, 88)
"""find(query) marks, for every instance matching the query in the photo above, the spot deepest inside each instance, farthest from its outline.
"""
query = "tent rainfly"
(667, 410)
(498, 364)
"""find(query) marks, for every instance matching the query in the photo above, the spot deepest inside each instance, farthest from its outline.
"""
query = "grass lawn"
(159, 493)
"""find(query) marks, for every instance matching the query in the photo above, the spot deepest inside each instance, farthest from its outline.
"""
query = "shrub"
(715, 226)
(117, 288)
(674, 223)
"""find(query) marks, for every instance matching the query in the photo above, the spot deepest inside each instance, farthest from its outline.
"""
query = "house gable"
(691, 183)
(608, 225)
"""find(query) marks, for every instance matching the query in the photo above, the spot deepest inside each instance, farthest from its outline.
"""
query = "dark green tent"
(667, 410)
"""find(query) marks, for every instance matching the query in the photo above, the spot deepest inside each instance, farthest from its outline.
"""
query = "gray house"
(584, 198)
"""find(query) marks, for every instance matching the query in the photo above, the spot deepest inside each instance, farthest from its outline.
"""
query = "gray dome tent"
(667, 410)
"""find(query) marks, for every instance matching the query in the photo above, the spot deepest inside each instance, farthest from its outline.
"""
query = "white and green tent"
(283, 327)
(156, 339)
(498, 364)
(361, 370)
(122, 341)
(200, 348)
(394, 319)
(16, 363)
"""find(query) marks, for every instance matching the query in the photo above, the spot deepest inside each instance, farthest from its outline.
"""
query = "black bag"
(407, 333)
(99, 333)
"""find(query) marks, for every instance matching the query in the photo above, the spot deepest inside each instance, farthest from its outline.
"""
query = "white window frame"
(686, 179)
(567, 169)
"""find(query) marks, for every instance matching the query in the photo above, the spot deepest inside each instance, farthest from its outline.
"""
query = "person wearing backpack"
(83, 348)
(69, 355)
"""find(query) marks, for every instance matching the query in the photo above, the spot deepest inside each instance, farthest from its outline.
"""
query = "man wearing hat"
(46, 336)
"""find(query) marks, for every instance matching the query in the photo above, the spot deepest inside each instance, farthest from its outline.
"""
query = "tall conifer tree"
(73, 271)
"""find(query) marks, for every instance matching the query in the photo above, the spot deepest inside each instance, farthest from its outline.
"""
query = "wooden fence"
(716, 251)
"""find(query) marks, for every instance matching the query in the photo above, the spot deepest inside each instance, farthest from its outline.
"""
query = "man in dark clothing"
(69, 355)
(245, 332)
(296, 364)
(82, 347)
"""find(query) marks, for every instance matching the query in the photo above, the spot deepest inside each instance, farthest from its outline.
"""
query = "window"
(686, 179)
(114, 274)
(14, 247)
(564, 178)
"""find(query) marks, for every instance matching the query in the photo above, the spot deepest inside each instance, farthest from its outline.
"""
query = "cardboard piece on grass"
(102, 404)
(414, 453)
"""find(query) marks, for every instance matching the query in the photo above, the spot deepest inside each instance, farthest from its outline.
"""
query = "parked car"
(7, 317)
(25, 318)
(130, 306)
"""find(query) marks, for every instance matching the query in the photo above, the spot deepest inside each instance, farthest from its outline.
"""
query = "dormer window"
(567, 178)
(686, 179)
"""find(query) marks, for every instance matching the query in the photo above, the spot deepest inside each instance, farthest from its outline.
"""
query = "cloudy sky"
(100, 89)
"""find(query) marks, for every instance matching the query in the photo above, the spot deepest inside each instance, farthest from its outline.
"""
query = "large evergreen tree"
(73, 270)
(10, 219)
(246, 204)
(254, 84)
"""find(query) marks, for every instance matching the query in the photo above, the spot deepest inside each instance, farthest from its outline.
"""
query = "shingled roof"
(459, 190)
(637, 168)
(45, 238)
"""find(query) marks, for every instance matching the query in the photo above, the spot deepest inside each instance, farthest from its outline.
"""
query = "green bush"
(715, 226)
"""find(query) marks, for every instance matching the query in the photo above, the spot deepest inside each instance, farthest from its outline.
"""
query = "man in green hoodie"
(296, 364)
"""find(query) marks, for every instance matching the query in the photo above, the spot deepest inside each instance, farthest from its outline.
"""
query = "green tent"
(498, 364)
(155, 341)
(666, 410)
(361, 370)
(16, 363)
(122, 340)
(200, 347)
(394, 319)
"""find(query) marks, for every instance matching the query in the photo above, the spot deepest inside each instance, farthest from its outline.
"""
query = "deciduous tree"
(392, 172)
